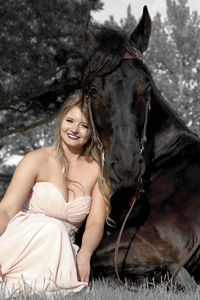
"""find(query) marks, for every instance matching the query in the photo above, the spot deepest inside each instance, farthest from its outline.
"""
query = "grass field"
(109, 289)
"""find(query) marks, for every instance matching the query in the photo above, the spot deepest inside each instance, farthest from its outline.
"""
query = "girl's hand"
(83, 266)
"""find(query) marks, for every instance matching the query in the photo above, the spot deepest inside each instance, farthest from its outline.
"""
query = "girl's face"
(75, 129)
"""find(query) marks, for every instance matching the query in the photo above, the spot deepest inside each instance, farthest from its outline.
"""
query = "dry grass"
(109, 289)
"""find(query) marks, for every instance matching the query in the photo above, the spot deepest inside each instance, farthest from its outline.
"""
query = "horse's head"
(116, 80)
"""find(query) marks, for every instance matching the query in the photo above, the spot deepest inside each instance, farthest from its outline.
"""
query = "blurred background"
(41, 48)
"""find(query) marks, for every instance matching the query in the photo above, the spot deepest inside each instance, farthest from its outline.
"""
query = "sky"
(118, 8)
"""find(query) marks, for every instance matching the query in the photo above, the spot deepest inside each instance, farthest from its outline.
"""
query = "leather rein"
(135, 54)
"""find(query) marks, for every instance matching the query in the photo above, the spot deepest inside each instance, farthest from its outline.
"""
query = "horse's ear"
(140, 36)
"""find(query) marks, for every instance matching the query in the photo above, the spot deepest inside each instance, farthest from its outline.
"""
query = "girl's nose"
(75, 128)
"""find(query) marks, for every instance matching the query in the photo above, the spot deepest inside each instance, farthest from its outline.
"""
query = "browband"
(135, 54)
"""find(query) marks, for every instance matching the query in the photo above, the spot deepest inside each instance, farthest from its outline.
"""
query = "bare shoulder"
(35, 155)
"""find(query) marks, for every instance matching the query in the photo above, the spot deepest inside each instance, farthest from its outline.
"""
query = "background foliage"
(41, 47)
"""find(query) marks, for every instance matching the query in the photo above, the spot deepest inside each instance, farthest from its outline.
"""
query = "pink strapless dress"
(37, 249)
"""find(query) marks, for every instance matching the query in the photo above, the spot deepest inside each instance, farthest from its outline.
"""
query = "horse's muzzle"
(124, 176)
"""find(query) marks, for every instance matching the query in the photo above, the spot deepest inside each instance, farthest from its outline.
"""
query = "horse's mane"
(181, 141)
(179, 136)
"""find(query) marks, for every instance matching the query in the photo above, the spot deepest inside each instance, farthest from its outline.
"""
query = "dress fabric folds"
(38, 248)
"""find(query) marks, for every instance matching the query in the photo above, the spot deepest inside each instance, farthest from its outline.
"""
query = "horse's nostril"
(141, 160)
(113, 164)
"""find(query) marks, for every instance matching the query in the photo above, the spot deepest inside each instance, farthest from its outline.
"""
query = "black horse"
(165, 223)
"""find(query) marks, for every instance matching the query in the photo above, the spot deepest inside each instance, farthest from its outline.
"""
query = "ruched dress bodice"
(38, 243)
(46, 198)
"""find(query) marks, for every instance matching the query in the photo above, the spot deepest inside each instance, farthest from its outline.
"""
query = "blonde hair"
(90, 149)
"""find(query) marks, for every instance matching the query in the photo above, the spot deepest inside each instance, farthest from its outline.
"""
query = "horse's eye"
(93, 91)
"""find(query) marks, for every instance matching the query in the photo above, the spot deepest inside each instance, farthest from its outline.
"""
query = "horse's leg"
(137, 276)
(144, 256)
(161, 273)
(183, 279)
(143, 274)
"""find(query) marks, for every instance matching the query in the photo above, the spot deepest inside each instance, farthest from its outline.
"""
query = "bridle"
(132, 55)
(135, 54)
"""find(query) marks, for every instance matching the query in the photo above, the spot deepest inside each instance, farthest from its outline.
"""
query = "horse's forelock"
(107, 53)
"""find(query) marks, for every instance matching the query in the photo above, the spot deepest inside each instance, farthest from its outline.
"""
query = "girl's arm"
(19, 188)
(93, 233)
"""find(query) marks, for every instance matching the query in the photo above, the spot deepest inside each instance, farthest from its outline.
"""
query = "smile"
(72, 136)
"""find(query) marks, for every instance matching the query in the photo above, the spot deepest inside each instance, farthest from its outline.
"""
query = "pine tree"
(174, 59)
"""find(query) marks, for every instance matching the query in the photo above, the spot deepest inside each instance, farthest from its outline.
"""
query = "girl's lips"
(72, 136)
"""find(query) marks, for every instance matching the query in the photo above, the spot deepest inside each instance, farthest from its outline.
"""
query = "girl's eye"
(84, 125)
(69, 120)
